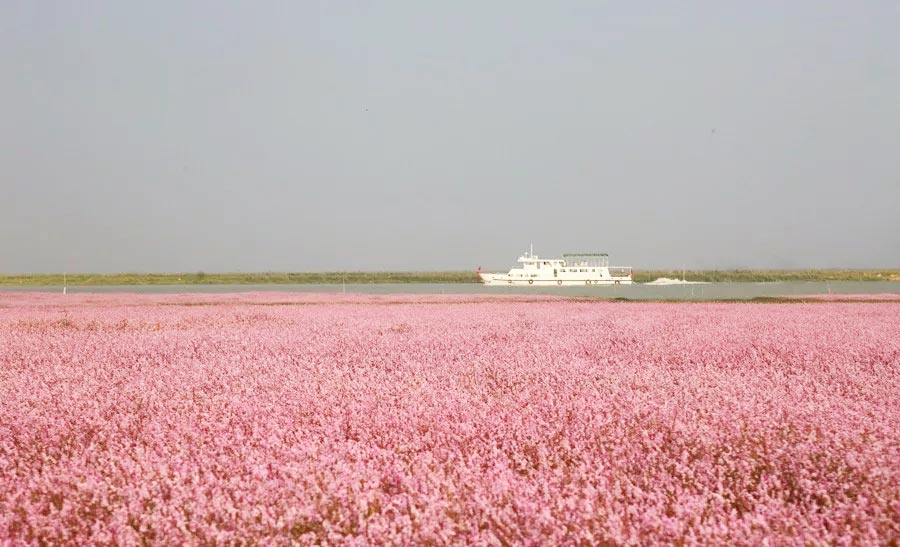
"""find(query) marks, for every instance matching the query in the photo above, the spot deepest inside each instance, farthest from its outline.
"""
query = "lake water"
(712, 291)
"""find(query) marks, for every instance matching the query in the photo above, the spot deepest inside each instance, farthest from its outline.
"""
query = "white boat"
(571, 269)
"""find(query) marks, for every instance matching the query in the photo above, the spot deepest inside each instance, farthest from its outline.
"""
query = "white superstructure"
(571, 269)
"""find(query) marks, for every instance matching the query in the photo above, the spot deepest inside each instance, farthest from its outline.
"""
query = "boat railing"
(590, 260)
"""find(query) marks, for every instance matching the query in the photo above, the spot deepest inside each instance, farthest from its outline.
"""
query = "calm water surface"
(638, 291)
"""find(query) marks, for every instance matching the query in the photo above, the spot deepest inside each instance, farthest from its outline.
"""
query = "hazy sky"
(227, 136)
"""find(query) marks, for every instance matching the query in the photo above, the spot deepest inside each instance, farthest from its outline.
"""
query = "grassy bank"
(201, 278)
(640, 276)
(756, 276)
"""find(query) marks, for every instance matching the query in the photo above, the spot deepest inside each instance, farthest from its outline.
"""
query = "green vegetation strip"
(757, 276)
(200, 278)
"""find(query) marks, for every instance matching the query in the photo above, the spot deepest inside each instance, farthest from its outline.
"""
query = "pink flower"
(397, 419)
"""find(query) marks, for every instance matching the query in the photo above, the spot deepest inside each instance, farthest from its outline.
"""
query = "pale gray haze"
(296, 136)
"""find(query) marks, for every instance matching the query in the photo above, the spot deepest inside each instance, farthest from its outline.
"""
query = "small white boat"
(571, 269)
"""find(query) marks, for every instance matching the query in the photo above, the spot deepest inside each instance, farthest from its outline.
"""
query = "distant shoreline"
(302, 278)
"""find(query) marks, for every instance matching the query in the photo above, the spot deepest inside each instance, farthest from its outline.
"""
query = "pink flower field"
(338, 419)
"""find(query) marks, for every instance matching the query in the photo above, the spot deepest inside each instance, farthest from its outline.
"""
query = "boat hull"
(506, 280)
